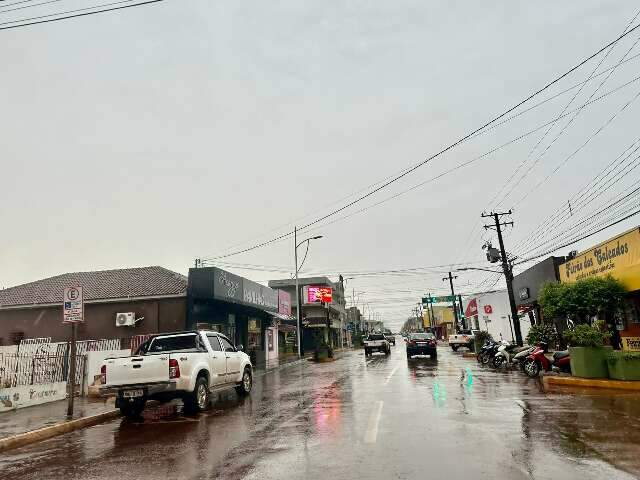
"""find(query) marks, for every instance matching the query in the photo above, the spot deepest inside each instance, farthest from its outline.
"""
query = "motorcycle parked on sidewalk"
(488, 345)
(506, 353)
(490, 351)
(537, 361)
(519, 358)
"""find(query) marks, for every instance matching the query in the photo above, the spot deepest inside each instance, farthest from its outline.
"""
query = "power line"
(571, 120)
(74, 15)
(26, 6)
(590, 192)
(285, 236)
(571, 242)
(439, 153)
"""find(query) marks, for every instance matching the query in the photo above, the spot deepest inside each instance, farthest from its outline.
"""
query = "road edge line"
(45, 433)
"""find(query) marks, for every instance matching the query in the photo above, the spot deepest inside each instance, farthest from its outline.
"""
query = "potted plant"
(624, 365)
(480, 339)
(544, 332)
(587, 350)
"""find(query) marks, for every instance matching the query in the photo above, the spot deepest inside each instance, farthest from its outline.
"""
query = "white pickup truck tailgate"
(139, 369)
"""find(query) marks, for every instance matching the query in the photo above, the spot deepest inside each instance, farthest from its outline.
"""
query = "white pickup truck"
(463, 339)
(187, 365)
(376, 342)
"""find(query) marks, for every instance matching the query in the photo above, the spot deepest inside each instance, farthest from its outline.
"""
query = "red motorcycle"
(537, 361)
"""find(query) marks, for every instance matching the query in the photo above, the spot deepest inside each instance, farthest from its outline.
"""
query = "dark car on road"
(422, 344)
(390, 337)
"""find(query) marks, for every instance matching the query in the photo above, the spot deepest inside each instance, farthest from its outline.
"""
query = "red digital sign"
(319, 294)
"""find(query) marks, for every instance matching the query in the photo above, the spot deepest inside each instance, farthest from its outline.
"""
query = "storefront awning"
(282, 316)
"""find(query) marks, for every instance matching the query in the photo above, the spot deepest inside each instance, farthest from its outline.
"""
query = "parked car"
(376, 342)
(187, 365)
(391, 338)
(422, 344)
(463, 339)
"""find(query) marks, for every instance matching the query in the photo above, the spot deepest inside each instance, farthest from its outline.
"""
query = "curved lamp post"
(295, 254)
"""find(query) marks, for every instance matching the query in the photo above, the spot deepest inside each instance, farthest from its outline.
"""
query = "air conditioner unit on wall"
(127, 319)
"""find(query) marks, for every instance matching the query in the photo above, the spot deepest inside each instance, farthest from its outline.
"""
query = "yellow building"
(444, 320)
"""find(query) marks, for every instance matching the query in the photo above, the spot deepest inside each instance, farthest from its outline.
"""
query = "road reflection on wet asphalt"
(378, 417)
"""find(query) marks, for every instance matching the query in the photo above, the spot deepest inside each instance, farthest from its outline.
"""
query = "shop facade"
(245, 311)
(620, 258)
(527, 285)
(491, 312)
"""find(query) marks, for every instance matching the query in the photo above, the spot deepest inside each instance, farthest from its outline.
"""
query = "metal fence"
(30, 369)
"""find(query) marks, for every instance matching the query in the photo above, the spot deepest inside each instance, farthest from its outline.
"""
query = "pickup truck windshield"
(375, 337)
(171, 344)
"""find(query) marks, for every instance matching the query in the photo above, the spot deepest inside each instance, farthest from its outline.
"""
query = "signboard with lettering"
(631, 344)
(73, 306)
(227, 286)
(618, 257)
(488, 309)
(523, 293)
(259, 295)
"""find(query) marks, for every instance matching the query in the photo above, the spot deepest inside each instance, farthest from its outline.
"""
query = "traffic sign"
(73, 305)
(444, 299)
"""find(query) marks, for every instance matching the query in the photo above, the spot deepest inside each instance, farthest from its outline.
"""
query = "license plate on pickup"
(133, 393)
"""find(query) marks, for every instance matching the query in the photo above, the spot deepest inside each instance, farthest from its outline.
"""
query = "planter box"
(621, 368)
(589, 362)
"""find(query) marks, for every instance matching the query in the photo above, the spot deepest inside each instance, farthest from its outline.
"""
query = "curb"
(45, 433)
(469, 355)
(549, 380)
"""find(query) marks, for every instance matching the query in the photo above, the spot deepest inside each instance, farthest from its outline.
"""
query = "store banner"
(284, 302)
(472, 308)
(618, 257)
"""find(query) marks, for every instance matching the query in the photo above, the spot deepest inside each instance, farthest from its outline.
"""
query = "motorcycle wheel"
(532, 368)
(485, 359)
(498, 361)
(479, 357)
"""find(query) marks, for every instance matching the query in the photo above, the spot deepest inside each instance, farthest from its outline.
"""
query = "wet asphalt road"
(379, 418)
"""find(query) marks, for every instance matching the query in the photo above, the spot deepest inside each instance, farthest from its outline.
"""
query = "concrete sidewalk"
(39, 416)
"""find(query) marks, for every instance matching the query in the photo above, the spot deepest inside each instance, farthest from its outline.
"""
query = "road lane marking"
(391, 375)
(371, 434)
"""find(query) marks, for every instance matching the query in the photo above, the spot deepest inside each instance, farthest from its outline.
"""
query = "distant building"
(490, 311)
(319, 321)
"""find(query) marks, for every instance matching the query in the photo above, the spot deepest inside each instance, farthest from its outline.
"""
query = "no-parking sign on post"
(73, 306)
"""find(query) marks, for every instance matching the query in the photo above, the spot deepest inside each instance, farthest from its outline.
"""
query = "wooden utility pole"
(453, 300)
(508, 273)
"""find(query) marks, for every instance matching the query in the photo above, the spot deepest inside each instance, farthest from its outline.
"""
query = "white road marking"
(391, 375)
(371, 434)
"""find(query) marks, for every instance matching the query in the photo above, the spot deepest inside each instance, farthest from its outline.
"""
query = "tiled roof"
(100, 285)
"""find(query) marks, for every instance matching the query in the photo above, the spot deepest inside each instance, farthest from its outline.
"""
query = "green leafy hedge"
(542, 333)
(586, 335)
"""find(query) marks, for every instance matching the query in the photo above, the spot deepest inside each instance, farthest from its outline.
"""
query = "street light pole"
(295, 255)
(298, 320)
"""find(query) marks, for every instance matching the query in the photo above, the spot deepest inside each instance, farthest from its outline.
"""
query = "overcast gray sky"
(158, 134)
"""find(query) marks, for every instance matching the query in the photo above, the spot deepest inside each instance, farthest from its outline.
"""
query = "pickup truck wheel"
(455, 347)
(131, 409)
(244, 388)
(198, 400)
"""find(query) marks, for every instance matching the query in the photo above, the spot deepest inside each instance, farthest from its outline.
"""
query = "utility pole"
(453, 299)
(508, 273)
(462, 310)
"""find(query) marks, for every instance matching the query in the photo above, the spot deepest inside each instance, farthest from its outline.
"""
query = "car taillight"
(412, 342)
(174, 368)
(432, 343)
(103, 374)
(464, 337)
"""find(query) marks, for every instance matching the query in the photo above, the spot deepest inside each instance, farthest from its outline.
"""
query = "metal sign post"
(73, 312)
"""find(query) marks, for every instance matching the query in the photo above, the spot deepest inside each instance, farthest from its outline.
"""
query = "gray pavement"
(378, 418)
(40, 416)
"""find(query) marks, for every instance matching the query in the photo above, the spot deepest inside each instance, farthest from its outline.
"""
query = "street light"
(295, 255)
